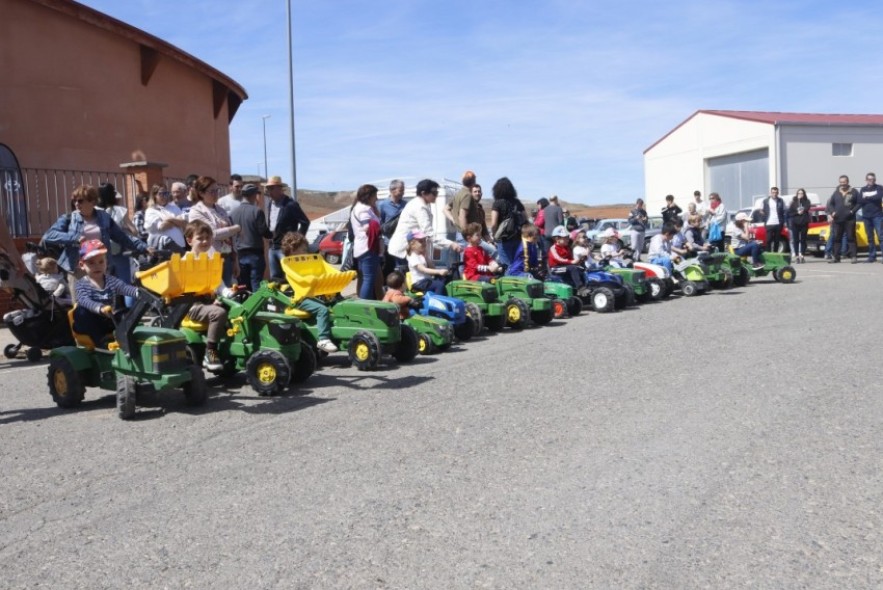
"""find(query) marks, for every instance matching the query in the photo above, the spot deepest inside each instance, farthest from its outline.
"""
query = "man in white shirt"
(233, 199)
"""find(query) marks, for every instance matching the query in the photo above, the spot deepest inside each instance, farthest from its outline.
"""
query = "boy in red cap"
(96, 292)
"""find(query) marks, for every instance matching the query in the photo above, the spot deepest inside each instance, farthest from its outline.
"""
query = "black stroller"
(42, 323)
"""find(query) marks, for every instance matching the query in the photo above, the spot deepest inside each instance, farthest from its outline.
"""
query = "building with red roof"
(741, 154)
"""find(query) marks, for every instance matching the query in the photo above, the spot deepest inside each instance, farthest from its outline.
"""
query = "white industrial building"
(741, 154)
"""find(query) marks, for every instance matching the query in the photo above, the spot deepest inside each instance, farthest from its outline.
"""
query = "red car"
(817, 216)
(331, 246)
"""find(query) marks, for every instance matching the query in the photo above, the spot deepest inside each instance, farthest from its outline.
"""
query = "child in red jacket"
(477, 264)
(561, 261)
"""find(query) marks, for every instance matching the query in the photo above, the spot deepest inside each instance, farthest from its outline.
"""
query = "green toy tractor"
(140, 358)
(365, 329)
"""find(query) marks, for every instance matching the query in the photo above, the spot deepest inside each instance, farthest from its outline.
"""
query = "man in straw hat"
(284, 215)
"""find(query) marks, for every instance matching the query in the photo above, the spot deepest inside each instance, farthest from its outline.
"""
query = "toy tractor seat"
(298, 313)
(85, 341)
(310, 276)
(191, 324)
(409, 283)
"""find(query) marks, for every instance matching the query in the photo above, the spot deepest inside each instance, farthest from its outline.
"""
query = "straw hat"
(274, 181)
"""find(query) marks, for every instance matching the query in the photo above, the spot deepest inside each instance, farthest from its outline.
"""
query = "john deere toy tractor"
(263, 344)
(365, 329)
(139, 357)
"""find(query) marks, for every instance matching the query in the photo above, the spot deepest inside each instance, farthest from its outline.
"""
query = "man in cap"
(250, 242)
(285, 215)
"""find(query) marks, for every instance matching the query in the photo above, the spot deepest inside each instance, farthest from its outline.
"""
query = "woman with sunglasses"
(206, 209)
(86, 222)
(164, 221)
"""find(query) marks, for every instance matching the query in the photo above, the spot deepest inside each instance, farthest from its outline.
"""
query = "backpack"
(388, 228)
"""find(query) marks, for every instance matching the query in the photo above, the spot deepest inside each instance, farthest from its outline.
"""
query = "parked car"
(623, 227)
(819, 232)
(331, 246)
(314, 245)
(818, 217)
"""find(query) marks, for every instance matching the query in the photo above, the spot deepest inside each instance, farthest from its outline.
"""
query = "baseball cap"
(249, 189)
(560, 232)
(91, 249)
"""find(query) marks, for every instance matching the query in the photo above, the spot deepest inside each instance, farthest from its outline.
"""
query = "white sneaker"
(326, 346)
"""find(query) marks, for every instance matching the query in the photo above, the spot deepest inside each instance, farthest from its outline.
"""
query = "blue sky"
(561, 96)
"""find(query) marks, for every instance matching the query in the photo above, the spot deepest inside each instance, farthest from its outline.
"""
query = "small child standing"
(96, 292)
(424, 277)
(477, 264)
(52, 280)
(394, 282)
(199, 236)
(526, 261)
(295, 243)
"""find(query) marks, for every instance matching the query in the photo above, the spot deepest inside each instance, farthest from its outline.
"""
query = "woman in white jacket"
(417, 217)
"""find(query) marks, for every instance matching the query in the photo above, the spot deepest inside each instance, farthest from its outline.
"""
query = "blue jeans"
(275, 257)
(319, 311)
(368, 265)
(752, 249)
(874, 225)
(120, 266)
(829, 245)
(251, 269)
(506, 250)
(227, 270)
(663, 261)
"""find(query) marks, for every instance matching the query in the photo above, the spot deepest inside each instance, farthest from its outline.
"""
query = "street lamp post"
(291, 107)
(264, 121)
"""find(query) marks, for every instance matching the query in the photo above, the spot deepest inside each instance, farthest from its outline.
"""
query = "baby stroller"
(42, 323)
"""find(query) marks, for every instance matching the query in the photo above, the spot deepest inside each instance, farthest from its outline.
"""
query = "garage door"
(739, 178)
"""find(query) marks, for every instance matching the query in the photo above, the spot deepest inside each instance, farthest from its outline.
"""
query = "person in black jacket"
(284, 215)
(841, 207)
(798, 214)
(671, 211)
(250, 243)
(773, 220)
(872, 213)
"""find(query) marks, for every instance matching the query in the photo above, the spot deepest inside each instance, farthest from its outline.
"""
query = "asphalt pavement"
(730, 440)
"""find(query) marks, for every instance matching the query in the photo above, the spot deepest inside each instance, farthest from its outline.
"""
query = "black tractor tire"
(195, 390)
(787, 274)
(656, 288)
(65, 385)
(517, 314)
(473, 311)
(574, 306)
(34, 354)
(603, 300)
(406, 349)
(364, 350)
(10, 351)
(742, 277)
(465, 331)
(495, 323)
(542, 317)
(196, 352)
(425, 345)
(268, 372)
(305, 365)
(127, 393)
(689, 288)
(559, 309)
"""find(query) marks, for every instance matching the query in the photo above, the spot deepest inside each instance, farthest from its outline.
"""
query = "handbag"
(714, 233)
(504, 229)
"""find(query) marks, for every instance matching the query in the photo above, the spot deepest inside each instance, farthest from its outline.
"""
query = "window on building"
(841, 149)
